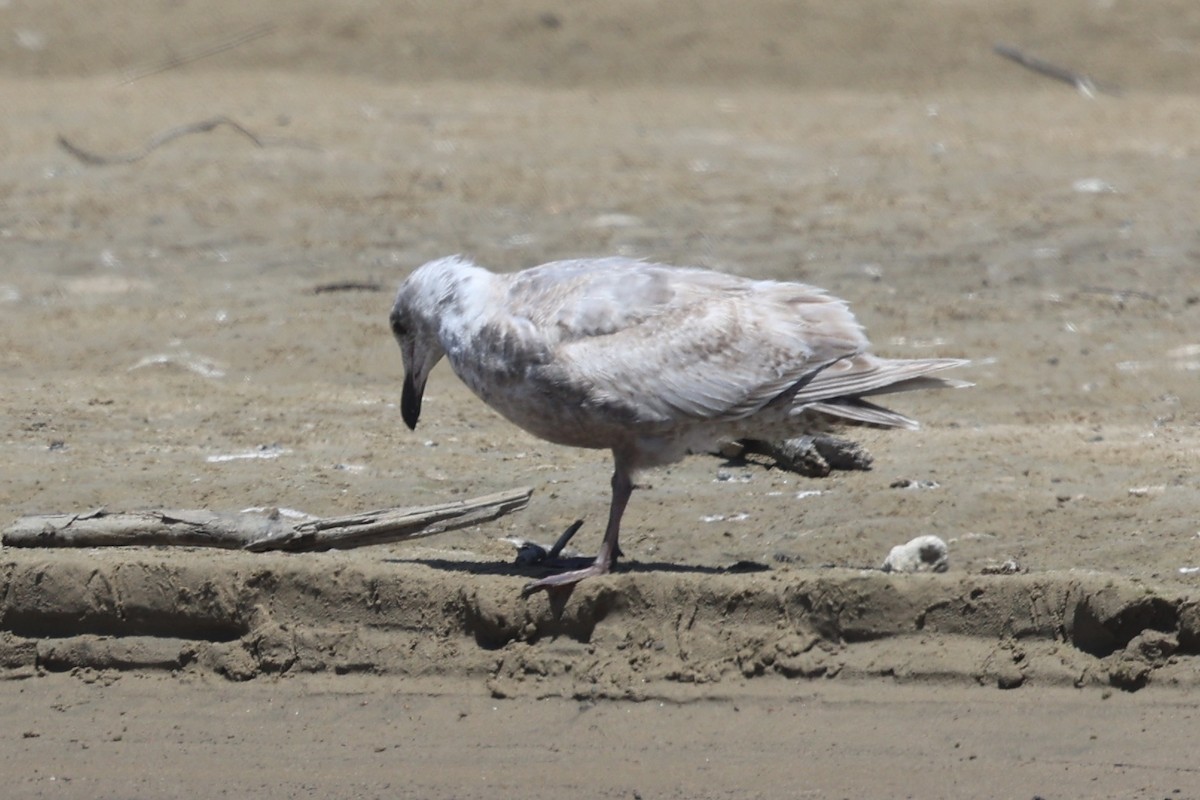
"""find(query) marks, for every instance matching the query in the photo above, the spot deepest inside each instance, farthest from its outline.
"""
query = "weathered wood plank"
(257, 532)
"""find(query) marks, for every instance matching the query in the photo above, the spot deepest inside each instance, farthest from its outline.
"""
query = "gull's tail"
(838, 389)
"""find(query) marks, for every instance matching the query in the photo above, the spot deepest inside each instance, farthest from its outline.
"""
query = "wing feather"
(660, 342)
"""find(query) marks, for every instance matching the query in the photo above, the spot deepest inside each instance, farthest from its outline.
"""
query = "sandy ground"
(157, 316)
(356, 738)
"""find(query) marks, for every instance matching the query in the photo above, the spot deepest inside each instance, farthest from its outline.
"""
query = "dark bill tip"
(410, 403)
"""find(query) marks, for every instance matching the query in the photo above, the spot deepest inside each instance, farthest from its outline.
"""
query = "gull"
(650, 361)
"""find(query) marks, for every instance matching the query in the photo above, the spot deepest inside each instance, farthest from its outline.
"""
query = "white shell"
(922, 554)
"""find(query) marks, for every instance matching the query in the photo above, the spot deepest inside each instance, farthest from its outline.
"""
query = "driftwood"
(257, 532)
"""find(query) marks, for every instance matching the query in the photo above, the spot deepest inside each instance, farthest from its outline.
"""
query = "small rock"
(922, 554)
(1010, 679)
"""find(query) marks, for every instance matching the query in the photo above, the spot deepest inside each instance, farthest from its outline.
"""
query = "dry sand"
(161, 314)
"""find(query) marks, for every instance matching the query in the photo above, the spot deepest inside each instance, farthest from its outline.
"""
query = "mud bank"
(630, 636)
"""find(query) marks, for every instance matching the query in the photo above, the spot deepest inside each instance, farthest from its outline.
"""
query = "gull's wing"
(654, 344)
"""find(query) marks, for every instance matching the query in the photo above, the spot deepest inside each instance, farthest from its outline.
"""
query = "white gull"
(650, 361)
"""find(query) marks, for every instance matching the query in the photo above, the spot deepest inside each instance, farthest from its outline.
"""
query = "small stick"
(203, 126)
(175, 62)
(1079, 80)
(348, 286)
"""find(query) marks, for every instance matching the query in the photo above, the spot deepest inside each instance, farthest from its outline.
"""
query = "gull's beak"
(410, 400)
(419, 360)
(420, 351)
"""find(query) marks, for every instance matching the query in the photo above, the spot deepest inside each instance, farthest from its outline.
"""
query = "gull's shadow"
(508, 568)
(537, 561)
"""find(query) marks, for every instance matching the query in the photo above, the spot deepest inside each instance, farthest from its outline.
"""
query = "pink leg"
(622, 488)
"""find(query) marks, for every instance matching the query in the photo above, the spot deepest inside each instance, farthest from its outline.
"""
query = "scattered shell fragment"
(105, 284)
(1009, 567)
(910, 483)
(1093, 186)
(614, 221)
(922, 554)
(1184, 351)
(201, 365)
(740, 516)
(263, 451)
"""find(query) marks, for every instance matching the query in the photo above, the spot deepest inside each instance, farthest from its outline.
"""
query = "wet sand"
(363, 738)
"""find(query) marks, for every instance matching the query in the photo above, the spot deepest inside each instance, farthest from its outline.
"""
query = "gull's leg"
(622, 488)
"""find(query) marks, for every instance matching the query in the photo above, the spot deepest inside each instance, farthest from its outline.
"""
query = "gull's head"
(426, 297)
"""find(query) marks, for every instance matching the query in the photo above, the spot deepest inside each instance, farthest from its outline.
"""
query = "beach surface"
(201, 322)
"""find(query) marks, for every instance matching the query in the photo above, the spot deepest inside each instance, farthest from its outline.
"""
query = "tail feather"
(866, 374)
(839, 389)
(865, 413)
(918, 384)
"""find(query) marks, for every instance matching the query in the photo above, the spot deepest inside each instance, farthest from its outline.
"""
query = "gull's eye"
(399, 330)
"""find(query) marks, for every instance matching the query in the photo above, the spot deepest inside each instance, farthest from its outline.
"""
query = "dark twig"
(1079, 80)
(1120, 295)
(174, 62)
(203, 126)
(348, 286)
